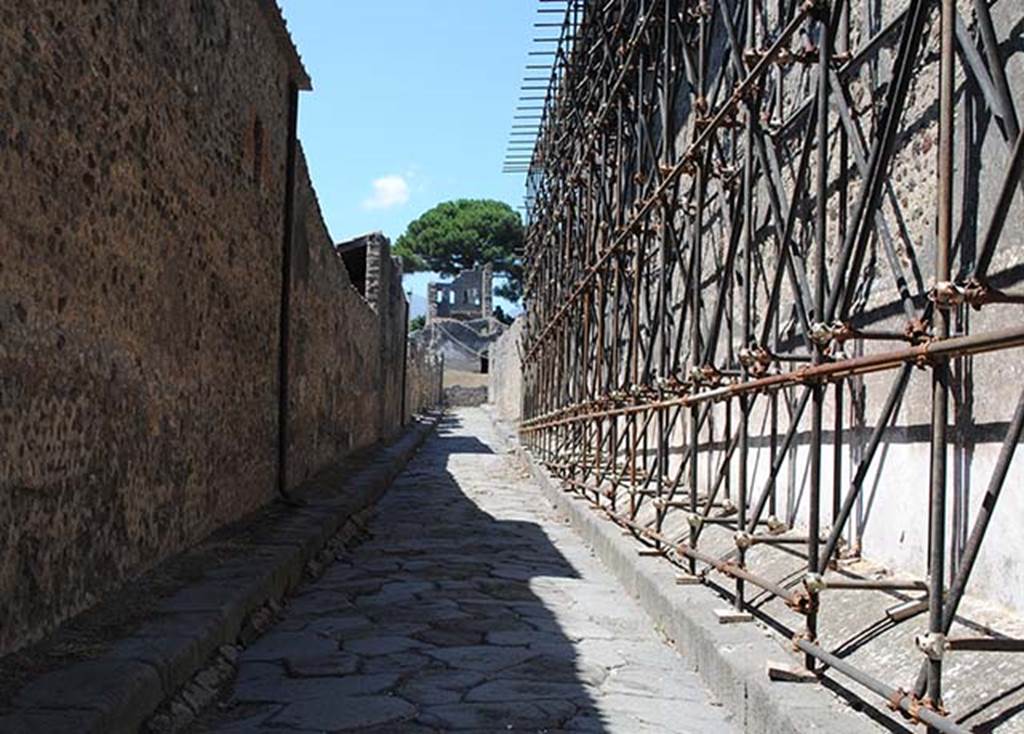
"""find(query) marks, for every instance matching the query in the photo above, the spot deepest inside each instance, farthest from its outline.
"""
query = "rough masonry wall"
(391, 312)
(505, 386)
(143, 155)
(423, 381)
(138, 288)
(334, 353)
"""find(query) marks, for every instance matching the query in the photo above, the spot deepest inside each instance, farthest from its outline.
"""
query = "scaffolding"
(726, 283)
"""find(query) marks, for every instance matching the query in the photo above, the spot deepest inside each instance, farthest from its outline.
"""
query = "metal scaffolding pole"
(713, 228)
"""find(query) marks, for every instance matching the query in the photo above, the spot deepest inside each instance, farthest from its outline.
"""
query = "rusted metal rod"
(703, 221)
(897, 699)
(1006, 338)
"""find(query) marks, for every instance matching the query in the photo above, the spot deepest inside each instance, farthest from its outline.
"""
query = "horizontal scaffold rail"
(750, 225)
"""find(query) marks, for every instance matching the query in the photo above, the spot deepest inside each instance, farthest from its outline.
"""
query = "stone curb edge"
(729, 658)
(119, 690)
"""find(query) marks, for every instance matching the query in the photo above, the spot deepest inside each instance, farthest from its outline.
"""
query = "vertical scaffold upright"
(753, 227)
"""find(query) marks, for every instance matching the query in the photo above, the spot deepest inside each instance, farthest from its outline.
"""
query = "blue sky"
(412, 104)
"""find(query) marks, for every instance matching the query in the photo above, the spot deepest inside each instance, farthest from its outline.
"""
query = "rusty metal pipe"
(998, 339)
(897, 699)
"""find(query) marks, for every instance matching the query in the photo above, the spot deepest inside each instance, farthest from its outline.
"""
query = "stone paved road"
(471, 608)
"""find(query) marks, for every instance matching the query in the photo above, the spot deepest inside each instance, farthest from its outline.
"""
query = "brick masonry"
(144, 149)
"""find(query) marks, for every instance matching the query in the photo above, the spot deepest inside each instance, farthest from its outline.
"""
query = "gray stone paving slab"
(281, 645)
(337, 714)
(470, 607)
(281, 688)
(533, 715)
(403, 662)
(448, 686)
(322, 666)
(482, 658)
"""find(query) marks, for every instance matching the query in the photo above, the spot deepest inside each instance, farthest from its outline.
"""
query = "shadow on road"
(429, 624)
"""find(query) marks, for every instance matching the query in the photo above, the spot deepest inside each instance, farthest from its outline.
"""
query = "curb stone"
(729, 658)
(117, 691)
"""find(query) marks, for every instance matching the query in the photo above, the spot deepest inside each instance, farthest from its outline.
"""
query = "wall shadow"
(524, 667)
(431, 618)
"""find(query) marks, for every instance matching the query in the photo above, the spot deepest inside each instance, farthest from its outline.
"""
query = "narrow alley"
(558, 365)
(471, 607)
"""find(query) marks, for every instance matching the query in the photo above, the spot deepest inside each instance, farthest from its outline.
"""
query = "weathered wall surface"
(384, 286)
(139, 288)
(461, 396)
(143, 151)
(423, 379)
(341, 358)
(505, 386)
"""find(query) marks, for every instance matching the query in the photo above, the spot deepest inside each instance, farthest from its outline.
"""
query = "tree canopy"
(462, 234)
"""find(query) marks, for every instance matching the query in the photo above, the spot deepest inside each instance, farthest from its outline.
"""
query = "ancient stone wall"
(463, 343)
(423, 379)
(335, 357)
(143, 152)
(391, 313)
(505, 386)
(463, 396)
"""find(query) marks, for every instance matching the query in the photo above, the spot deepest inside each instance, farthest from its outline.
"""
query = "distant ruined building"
(466, 297)
(459, 322)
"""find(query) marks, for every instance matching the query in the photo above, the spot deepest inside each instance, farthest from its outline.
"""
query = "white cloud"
(388, 191)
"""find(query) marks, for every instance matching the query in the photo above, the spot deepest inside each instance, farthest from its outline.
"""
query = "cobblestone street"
(470, 607)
